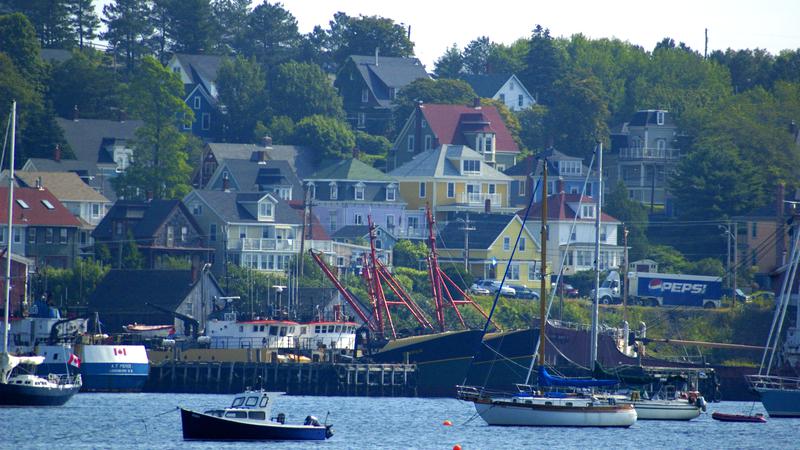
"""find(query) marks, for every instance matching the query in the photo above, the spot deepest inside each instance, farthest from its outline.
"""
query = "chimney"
(226, 185)
(559, 185)
(476, 102)
(39, 185)
(487, 206)
(409, 33)
(267, 141)
(75, 113)
(121, 115)
(377, 50)
(57, 153)
(355, 152)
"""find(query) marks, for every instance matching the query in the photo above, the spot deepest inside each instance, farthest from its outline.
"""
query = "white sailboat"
(16, 388)
(578, 408)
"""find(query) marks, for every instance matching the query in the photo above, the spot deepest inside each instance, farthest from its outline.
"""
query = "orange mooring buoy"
(447, 423)
(457, 447)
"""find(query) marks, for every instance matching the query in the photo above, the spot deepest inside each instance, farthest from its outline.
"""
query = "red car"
(569, 291)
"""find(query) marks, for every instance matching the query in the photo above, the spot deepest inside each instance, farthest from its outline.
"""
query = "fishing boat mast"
(7, 293)
(597, 221)
(543, 272)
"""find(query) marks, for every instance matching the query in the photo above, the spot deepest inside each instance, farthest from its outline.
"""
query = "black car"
(524, 292)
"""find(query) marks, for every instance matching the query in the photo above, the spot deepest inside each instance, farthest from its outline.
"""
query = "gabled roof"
(301, 159)
(390, 72)
(65, 186)
(87, 137)
(87, 171)
(558, 209)
(36, 213)
(438, 162)
(488, 228)
(349, 232)
(229, 206)
(350, 169)
(202, 68)
(144, 218)
(253, 176)
(531, 165)
(486, 85)
(450, 122)
(650, 117)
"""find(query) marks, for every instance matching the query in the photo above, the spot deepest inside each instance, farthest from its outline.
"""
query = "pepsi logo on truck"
(658, 285)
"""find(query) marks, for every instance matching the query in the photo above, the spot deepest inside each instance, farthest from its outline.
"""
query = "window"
(569, 167)
(48, 205)
(513, 273)
(22, 203)
(492, 188)
(660, 117)
(413, 223)
(359, 192)
(170, 235)
(391, 193)
(197, 102)
(2, 234)
(334, 191)
(428, 142)
(389, 222)
(206, 125)
(755, 229)
(521, 188)
(488, 143)
(17, 235)
(95, 210)
(212, 232)
(333, 218)
(506, 244)
(184, 234)
(588, 211)
(522, 244)
(471, 166)
(451, 190)
(186, 125)
(265, 209)
(503, 98)
(422, 190)
(197, 209)
(533, 274)
(511, 86)
(520, 101)
(62, 236)
(312, 190)
(410, 144)
(48, 236)
(364, 95)
(392, 93)
(358, 219)
(661, 144)
(31, 235)
(362, 120)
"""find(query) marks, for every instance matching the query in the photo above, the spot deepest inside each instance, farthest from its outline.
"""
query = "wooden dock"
(345, 379)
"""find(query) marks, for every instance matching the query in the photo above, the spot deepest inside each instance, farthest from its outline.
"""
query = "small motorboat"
(722, 417)
(248, 419)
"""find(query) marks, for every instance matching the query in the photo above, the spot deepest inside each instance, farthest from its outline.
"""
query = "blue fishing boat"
(248, 419)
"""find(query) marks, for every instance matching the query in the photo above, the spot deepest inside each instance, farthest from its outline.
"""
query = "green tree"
(87, 82)
(83, 19)
(51, 20)
(240, 84)
(407, 253)
(509, 118)
(787, 66)
(131, 257)
(577, 119)
(533, 127)
(669, 259)
(332, 137)
(18, 41)
(449, 65)
(431, 91)
(708, 266)
(633, 216)
(189, 25)
(230, 20)
(129, 27)
(280, 129)
(301, 89)
(749, 68)
(155, 95)
(544, 66)
(271, 35)
(363, 34)
(476, 56)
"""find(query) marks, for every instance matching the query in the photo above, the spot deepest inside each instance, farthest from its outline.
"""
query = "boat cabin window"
(569, 403)
(241, 329)
(330, 328)
(302, 330)
(238, 401)
(257, 415)
(264, 401)
(273, 331)
(261, 328)
(236, 414)
(215, 412)
(255, 328)
(27, 382)
(316, 329)
(283, 331)
(548, 403)
(338, 328)
(251, 401)
(291, 330)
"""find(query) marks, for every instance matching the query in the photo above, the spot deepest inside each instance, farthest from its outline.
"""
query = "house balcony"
(259, 245)
(649, 153)
(479, 199)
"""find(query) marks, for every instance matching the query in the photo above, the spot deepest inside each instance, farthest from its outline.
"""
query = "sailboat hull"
(538, 415)
(781, 402)
(25, 395)
(666, 410)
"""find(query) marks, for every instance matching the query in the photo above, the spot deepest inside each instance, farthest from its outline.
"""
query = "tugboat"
(248, 419)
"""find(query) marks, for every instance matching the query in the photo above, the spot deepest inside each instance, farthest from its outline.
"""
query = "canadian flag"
(74, 361)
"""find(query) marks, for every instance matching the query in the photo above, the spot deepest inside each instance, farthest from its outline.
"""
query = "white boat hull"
(666, 410)
(508, 414)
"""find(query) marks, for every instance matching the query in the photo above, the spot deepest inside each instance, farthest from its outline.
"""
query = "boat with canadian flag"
(113, 368)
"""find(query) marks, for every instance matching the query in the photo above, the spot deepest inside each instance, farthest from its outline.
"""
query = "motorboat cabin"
(333, 335)
(276, 334)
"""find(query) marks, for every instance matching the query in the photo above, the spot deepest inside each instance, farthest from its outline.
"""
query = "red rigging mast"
(442, 296)
(348, 296)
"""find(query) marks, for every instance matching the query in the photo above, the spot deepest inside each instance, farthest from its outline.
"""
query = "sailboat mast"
(597, 220)
(6, 324)
(543, 272)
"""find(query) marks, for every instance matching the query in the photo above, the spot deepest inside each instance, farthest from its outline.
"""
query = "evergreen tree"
(86, 82)
(129, 28)
(131, 257)
(544, 66)
(476, 56)
(300, 90)
(51, 20)
(362, 35)
(18, 41)
(271, 35)
(633, 216)
(449, 65)
(240, 83)
(83, 19)
(230, 20)
(189, 25)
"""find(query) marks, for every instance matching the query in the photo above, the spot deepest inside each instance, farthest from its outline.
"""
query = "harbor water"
(149, 421)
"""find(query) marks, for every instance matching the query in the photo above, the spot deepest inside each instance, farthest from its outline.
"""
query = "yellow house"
(489, 240)
(451, 179)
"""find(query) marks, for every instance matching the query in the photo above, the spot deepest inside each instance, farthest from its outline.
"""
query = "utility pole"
(625, 274)
(735, 257)
(306, 206)
(727, 228)
(466, 229)
(705, 51)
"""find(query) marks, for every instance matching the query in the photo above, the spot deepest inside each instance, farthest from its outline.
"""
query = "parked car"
(478, 290)
(492, 286)
(569, 290)
(524, 292)
(738, 295)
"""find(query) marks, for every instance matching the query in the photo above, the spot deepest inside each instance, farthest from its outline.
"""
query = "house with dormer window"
(503, 87)
(450, 179)
(369, 85)
(199, 75)
(480, 128)
(575, 246)
(272, 176)
(347, 192)
(568, 173)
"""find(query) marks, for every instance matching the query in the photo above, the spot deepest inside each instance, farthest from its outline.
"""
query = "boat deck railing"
(773, 382)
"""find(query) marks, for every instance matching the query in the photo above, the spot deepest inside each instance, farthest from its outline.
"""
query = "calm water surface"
(124, 421)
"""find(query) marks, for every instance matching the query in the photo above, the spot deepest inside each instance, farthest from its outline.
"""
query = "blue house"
(199, 75)
(564, 174)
